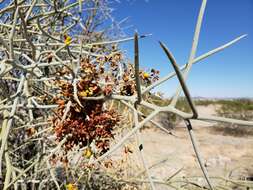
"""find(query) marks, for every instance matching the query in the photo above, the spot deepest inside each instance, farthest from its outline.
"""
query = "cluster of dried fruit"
(87, 122)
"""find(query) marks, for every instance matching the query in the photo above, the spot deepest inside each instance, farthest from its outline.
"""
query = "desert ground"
(227, 153)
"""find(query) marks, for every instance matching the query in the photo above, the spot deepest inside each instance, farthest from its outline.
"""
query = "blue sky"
(226, 74)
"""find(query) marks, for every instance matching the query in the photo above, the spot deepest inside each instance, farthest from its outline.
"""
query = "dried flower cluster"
(149, 78)
(87, 121)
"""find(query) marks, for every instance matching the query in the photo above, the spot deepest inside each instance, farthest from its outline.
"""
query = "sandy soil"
(223, 155)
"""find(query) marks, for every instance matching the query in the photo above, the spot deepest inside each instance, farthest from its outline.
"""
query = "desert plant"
(64, 75)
